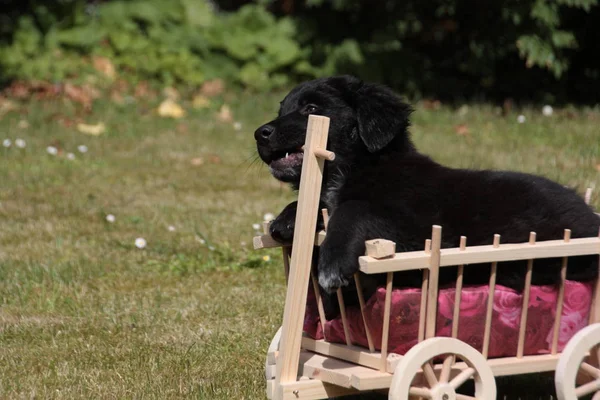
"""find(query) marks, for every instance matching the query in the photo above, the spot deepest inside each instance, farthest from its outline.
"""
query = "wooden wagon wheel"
(441, 387)
(579, 358)
(270, 363)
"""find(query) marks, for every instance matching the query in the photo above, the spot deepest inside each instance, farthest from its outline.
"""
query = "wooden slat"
(305, 226)
(561, 297)
(350, 375)
(482, 254)
(525, 305)
(267, 242)
(355, 354)
(490, 303)
(434, 274)
(458, 291)
(338, 372)
(319, 299)
(345, 326)
(386, 321)
(325, 215)
(361, 301)
(423, 305)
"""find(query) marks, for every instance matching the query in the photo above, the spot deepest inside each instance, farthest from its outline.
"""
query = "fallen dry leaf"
(199, 101)
(462, 130)
(79, 94)
(169, 109)
(144, 90)
(171, 93)
(197, 161)
(23, 124)
(598, 167)
(212, 88)
(94, 130)
(104, 66)
(214, 159)
(224, 114)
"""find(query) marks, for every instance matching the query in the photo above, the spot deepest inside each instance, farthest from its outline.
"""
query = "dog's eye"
(310, 108)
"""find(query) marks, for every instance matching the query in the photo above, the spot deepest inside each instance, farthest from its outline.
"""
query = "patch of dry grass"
(85, 314)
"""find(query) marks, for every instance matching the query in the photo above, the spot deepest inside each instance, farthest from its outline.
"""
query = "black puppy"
(380, 186)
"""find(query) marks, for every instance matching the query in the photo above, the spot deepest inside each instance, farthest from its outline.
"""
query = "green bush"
(441, 48)
(180, 41)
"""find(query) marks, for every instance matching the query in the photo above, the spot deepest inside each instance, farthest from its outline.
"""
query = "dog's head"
(365, 118)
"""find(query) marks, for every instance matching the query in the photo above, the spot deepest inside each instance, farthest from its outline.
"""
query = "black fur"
(380, 186)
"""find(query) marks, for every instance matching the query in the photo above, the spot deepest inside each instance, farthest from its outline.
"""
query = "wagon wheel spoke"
(588, 388)
(420, 392)
(430, 374)
(590, 370)
(462, 378)
(447, 368)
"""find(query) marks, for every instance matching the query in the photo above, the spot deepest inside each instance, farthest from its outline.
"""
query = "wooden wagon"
(300, 367)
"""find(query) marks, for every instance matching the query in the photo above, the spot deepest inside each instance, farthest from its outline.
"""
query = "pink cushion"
(506, 317)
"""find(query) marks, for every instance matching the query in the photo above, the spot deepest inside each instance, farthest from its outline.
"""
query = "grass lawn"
(86, 314)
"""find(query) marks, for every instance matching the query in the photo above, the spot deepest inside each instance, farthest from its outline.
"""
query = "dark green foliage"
(537, 49)
(460, 48)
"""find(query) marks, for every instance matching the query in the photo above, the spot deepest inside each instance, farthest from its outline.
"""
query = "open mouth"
(287, 159)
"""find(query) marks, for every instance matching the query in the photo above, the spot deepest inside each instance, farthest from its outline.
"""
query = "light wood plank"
(561, 297)
(380, 248)
(267, 242)
(361, 301)
(355, 354)
(305, 226)
(345, 326)
(386, 321)
(482, 254)
(490, 303)
(525, 305)
(434, 273)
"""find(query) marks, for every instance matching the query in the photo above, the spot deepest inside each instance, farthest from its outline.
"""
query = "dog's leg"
(349, 226)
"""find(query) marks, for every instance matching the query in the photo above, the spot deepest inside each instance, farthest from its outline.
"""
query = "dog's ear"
(381, 115)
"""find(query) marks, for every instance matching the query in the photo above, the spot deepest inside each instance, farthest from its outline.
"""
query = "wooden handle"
(325, 154)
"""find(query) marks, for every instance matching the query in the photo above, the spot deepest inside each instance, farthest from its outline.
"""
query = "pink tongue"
(290, 161)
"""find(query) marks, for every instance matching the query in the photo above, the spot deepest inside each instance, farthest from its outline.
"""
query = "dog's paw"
(335, 269)
(331, 280)
(282, 227)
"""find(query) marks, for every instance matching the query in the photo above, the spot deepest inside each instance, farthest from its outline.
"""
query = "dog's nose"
(262, 134)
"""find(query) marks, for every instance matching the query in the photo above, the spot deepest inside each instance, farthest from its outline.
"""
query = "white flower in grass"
(140, 243)
(547, 110)
(52, 150)
(521, 119)
(171, 228)
(70, 156)
(110, 218)
(7, 143)
(256, 226)
(211, 248)
(20, 143)
(268, 217)
(82, 148)
(237, 126)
